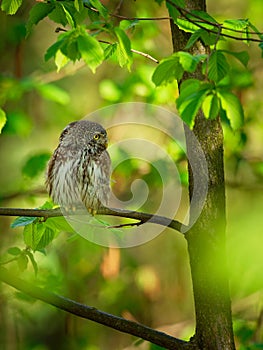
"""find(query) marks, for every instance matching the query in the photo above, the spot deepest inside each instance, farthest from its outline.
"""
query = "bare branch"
(93, 314)
(145, 55)
(130, 214)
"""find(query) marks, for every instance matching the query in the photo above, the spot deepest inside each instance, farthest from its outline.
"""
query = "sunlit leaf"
(37, 13)
(60, 60)
(189, 62)
(78, 5)
(232, 107)
(211, 106)
(90, 50)
(2, 119)
(103, 11)
(124, 48)
(237, 24)
(110, 50)
(69, 17)
(10, 6)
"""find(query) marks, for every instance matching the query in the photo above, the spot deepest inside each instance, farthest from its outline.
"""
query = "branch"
(186, 13)
(130, 214)
(93, 314)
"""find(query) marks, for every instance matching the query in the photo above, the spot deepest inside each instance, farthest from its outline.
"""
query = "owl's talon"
(92, 211)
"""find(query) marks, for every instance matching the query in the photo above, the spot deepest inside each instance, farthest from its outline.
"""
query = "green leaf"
(35, 164)
(128, 24)
(37, 13)
(52, 50)
(33, 261)
(90, 50)
(189, 62)
(193, 38)
(10, 6)
(2, 119)
(242, 56)
(33, 234)
(59, 224)
(204, 16)
(186, 26)
(211, 106)
(22, 221)
(124, 48)
(54, 93)
(218, 67)
(58, 15)
(261, 47)
(232, 107)
(78, 5)
(103, 11)
(60, 60)
(46, 238)
(47, 205)
(69, 17)
(197, 16)
(110, 50)
(237, 24)
(68, 45)
(192, 94)
(168, 70)
(15, 251)
(22, 262)
(172, 9)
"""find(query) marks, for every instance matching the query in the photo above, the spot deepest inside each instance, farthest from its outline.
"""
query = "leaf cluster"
(212, 94)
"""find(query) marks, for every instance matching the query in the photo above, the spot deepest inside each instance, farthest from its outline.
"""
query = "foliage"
(92, 35)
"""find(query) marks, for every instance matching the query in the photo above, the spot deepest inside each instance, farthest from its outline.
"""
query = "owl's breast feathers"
(75, 178)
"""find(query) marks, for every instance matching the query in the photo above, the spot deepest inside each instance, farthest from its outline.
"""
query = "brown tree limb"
(130, 214)
(93, 314)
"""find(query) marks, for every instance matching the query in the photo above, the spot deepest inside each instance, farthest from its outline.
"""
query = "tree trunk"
(206, 239)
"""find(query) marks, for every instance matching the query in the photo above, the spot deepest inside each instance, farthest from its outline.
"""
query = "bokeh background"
(150, 283)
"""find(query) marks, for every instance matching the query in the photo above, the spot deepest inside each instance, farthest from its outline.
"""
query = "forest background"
(140, 283)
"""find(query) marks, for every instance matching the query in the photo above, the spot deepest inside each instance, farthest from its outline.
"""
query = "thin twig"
(130, 214)
(146, 55)
(93, 314)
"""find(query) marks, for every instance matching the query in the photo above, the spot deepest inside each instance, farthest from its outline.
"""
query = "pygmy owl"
(79, 171)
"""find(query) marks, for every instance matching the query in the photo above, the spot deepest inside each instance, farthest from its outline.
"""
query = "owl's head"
(84, 134)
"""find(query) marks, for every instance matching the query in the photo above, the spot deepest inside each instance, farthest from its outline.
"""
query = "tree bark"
(206, 239)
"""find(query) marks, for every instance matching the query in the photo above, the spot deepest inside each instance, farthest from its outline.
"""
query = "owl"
(79, 170)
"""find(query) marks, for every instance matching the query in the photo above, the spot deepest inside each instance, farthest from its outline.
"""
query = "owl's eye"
(96, 136)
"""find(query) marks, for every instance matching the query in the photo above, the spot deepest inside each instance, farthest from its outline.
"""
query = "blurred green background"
(149, 283)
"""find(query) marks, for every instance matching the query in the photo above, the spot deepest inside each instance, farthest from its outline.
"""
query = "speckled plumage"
(79, 170)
